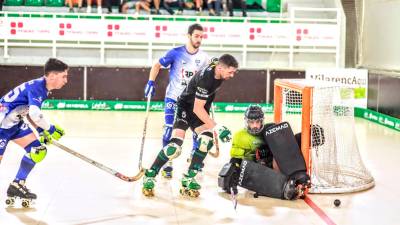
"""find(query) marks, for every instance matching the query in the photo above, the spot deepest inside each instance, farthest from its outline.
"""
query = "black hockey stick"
(99, 165)
(144, 130)
(215, 135)
(233, 198)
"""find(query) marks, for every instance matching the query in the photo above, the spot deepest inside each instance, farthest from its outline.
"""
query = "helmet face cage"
(254, 130)
(252, 114)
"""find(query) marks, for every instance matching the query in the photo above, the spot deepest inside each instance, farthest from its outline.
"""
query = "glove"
(235, 176)
(55, 132)
(261, 154)
(224, 134)
(149, 89)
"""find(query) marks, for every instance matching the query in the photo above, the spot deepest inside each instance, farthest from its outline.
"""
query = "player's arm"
(164, 61)
(202, 114)
(155, 69)
(36, 118)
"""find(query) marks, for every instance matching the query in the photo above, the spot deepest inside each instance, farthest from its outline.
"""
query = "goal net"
(335, 166)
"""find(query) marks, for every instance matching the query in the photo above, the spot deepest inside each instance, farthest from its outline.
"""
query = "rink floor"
(71, 191)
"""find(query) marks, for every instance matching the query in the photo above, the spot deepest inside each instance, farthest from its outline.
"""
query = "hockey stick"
(216, 153)
(144, 131)
(233, 198)
(99, 165)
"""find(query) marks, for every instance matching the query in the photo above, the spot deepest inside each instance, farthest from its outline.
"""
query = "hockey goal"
(335, 166)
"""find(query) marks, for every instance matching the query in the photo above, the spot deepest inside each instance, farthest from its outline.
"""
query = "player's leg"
(194, 147)
(205, 142)
(258, 178)
(169, 152)
(169, 113)
(286, 152)
(4, 138)
(35, 153)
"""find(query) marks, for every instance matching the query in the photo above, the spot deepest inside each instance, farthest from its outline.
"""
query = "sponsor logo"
(184, 62)
(24, 126)
(3, 143)
(119, 106)
(170, 105)
(61, 105)
(243, 169)
(202, 90)
(38, 99)
(277, 128)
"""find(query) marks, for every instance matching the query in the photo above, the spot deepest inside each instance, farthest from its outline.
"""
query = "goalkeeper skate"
(302, 182)
(149, 183)
(18, 190)
(190, 187)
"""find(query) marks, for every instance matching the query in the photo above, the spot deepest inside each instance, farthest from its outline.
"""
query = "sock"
(26, 163)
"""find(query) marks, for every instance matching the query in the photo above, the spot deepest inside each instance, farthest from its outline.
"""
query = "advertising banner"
(356, 79)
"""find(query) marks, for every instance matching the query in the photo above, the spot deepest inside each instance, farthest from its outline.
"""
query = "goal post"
(335, 166)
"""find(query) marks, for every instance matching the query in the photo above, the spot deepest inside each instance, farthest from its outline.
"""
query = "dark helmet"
(254, 113)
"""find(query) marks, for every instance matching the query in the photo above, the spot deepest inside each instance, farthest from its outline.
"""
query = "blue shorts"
(20, 130)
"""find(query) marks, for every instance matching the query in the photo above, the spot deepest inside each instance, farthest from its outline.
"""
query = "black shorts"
(185, 118)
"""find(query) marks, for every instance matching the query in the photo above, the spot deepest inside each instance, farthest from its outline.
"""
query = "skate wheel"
(182, 191)
(194, 193)
(255, 195)
(25, 203)
(148, 192)
(10, 202)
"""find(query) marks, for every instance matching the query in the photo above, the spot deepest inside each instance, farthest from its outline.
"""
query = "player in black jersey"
(192, 112)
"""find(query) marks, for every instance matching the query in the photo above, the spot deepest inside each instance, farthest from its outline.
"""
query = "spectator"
(89, 6)
(144, 4)
(71, 4)
(167, 4)
(199, 5)
(217, 6)
(126, 5)
(242, 4)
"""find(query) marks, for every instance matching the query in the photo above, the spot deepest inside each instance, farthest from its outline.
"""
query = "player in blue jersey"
(183, 63)
(25, 101)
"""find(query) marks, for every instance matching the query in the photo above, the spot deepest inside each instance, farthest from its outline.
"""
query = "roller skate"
(190, 187)
(302, 182)
(290, 191)
(18, 190)
(167, 170)
(148, 183)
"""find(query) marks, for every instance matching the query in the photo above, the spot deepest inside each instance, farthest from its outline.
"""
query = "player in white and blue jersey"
(25, 101)
(183, 63)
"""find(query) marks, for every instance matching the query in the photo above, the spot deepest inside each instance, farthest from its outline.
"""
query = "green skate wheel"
(148, 192)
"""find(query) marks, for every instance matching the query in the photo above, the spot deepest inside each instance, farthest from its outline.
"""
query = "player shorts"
(185, 118)
(17, 131)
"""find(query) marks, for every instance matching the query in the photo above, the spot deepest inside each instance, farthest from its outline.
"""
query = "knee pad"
(205, 141)
(173, 149)
(37, 152)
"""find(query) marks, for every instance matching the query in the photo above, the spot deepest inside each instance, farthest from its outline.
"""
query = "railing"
(244, 36)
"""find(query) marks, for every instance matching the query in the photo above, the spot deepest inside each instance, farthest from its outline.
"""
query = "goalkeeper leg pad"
(262, 180)
(284, 148)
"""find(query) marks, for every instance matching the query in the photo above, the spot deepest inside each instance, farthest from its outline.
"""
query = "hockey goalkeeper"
(253, 151)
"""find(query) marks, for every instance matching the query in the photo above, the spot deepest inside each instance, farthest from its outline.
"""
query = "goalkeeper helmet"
(254, 113)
